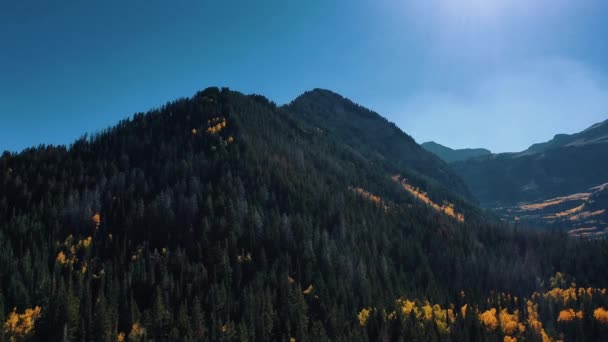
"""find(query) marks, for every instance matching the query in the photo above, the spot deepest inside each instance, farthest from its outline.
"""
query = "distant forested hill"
(562, 166)
(223, 217)
(551, 184)
(450, 155)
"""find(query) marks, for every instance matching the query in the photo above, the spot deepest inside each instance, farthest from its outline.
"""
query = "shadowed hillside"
(373, 137)
(565, 165)
(550, 185)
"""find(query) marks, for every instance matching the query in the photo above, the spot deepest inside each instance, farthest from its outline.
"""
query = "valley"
(580, 215)
(559, 185)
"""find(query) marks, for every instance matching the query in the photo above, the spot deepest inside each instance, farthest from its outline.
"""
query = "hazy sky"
(500, 74)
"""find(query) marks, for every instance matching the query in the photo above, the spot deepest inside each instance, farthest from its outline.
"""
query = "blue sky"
(500, 74)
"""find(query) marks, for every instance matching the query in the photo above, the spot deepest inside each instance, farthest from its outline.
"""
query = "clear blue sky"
(500, 74)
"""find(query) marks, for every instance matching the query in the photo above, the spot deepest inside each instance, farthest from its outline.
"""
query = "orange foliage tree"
(363, 316)
(569, 315)
(509, 323)
(96, 219)
(20, 326)
(61, 258)
(601, 315)
(488, 319)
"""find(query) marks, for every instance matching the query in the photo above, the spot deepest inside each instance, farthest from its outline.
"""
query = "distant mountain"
(566, 165)
(450, 155)
(596, 134)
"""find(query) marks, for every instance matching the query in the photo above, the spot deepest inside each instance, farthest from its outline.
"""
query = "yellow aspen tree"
(488, 319)
(21, 325)
(601, 315)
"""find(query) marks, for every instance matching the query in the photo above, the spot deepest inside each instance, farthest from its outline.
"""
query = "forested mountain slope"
(224, 217)
(373, 137)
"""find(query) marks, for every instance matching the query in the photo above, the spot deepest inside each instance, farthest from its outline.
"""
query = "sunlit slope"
(581, 214)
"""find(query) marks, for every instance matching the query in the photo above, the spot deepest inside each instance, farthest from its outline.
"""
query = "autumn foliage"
(73, 251)
(447, 208)
(568, 315)
(137, 332)
(216, 125)
(504, 315)
(96, 219)
(61, 258)
(488, 319)
(425, 313)
(509, 323)
(363, 316)
(368, 195)
(19, 326)
(601, 315)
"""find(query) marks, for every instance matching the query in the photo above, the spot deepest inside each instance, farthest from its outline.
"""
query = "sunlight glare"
(483, 10)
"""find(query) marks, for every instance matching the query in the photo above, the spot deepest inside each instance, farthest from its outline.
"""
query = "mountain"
(374, 138)
(224, 217)
(596, 134)
(560, 168)
(450, 155)
(565, 165)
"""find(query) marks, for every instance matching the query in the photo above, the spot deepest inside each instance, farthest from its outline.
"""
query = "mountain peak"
(373, 137)
(322, 97)
(321, 91)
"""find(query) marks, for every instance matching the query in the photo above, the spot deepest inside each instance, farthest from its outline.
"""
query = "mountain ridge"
(596, 133)
(450, 155)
